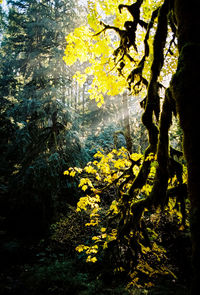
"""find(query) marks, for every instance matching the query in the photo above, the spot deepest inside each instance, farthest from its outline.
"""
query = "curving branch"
(137, 72)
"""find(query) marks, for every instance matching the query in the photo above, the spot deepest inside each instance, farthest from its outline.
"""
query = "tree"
(38, 133)
(166, 21)
(185, 90)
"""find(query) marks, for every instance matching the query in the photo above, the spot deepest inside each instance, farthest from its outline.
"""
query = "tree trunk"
(83, 98)
(185, 87)
(76, 95)
(126, 119)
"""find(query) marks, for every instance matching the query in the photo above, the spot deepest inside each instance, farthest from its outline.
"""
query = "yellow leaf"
(105, 245)
(98, 178)
(93, 259)
(72, 173)
(84, 187)
(103, 229)
(95, 238)
(81, 248)
(90, 169)
(181, 227)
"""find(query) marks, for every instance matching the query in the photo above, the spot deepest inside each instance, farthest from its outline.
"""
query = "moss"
(159, 191)
(185, 90)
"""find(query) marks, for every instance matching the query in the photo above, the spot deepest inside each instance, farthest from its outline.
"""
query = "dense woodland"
(99, 174)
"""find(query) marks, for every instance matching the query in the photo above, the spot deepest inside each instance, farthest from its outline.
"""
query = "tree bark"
(185, 88)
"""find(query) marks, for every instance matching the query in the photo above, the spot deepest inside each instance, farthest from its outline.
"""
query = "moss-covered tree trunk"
(186, 92)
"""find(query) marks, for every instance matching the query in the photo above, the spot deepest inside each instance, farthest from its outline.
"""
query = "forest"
(99, 147)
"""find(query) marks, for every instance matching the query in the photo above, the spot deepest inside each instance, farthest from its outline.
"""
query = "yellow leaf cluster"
(114, 208)
(151, 157)
(147, 189)
(77, 45)
(83, 46)
(72, 171)
(89, 250)
(86, 44)
(88, 202)
(91, 259)
(85, 181)
(122, 163)
(89, 169)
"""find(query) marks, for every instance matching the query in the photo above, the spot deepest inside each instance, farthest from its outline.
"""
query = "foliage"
(56, 277)
(61, 277)
(110, 62)
(70, 230)
(158, 175)
(39, 134)
(106, 182)
(132, 205)
(103, 139)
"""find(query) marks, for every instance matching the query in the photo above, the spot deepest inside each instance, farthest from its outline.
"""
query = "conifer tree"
(34, 122)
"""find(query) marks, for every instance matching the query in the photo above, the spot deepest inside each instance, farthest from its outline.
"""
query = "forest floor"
(45, 268)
